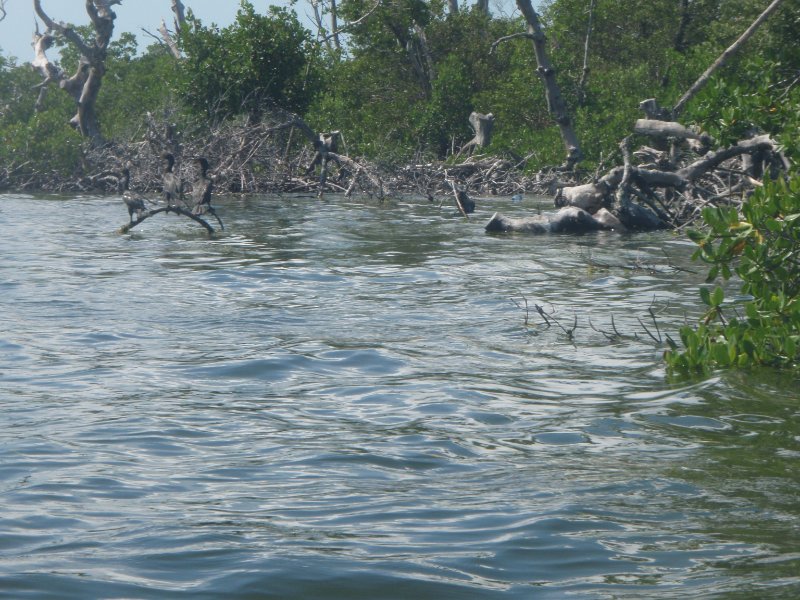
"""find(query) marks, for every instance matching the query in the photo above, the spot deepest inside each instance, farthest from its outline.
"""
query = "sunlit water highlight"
(342, 399)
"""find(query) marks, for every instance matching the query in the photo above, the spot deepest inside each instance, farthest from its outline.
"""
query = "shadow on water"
(348, 400)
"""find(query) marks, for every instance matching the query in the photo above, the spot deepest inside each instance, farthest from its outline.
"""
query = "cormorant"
(134, 202)
(201, 189)
(170, 181)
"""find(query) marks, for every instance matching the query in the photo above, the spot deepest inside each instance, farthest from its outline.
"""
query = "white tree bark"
(591, 196)
(545, 70)
(84, 85)
(179, 18)
(482, 125)
(665, 129)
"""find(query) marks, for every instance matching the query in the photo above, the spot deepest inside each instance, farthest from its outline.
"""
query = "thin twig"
(568, 332)
(522, 34)
(527, 311)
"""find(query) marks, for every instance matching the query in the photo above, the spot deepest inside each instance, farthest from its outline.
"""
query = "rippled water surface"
(342, 399)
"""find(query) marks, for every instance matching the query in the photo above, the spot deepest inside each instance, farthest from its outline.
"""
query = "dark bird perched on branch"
(201, 188)
(133, 201)
(201, 191)
(171, 183)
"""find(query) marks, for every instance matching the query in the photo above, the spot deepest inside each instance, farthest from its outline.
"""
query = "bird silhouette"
(133, 201)
(171, 184)
(201, 189)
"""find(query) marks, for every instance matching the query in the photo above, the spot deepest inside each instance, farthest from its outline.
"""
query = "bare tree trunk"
(169, 40)
(483, 126)
(85, 84)
(322, 34)
(482, 6)
(179, 19)
(421, 61)
(585, 72)
(555, 102)
(720, 62)
(2, 9)
(180, 14)
(334, 17)
(680, 37)
(659, 128)
(334, 35)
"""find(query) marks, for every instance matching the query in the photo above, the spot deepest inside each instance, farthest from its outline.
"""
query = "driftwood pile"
(279, 154)
(664, 184)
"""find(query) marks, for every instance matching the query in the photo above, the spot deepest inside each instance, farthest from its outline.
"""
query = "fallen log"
(641, 183)
(671, 129)
(714, 159)
(570, 219)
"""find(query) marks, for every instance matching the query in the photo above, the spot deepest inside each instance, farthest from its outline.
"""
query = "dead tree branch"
(174, 209)
(179, 18)
(483, 126)
(555, 102)
(585, 71)
(513, 36)
(334, 35)
(84, 85)
(459, 204)
(720, 62)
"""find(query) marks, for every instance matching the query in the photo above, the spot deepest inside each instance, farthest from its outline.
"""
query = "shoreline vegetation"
(249, 97)
(260, 158)
(631, 116)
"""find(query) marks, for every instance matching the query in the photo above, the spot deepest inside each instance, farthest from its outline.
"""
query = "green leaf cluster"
(256, 60)
(760, 247)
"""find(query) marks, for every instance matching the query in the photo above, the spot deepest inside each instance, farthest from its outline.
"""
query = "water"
(342, 399)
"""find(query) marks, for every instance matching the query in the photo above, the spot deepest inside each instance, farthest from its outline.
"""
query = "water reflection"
(340, 399)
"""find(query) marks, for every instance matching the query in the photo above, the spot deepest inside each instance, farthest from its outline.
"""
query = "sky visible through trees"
(133, 15)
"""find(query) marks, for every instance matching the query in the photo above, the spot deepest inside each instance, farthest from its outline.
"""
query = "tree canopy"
(408, 74)
(236, 69)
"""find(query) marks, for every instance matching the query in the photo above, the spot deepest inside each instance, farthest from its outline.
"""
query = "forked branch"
(176, 209)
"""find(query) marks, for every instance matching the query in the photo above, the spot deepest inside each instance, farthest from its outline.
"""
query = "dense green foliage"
(758, 245)
(761, 246)
(237, 69)
(409, 74)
